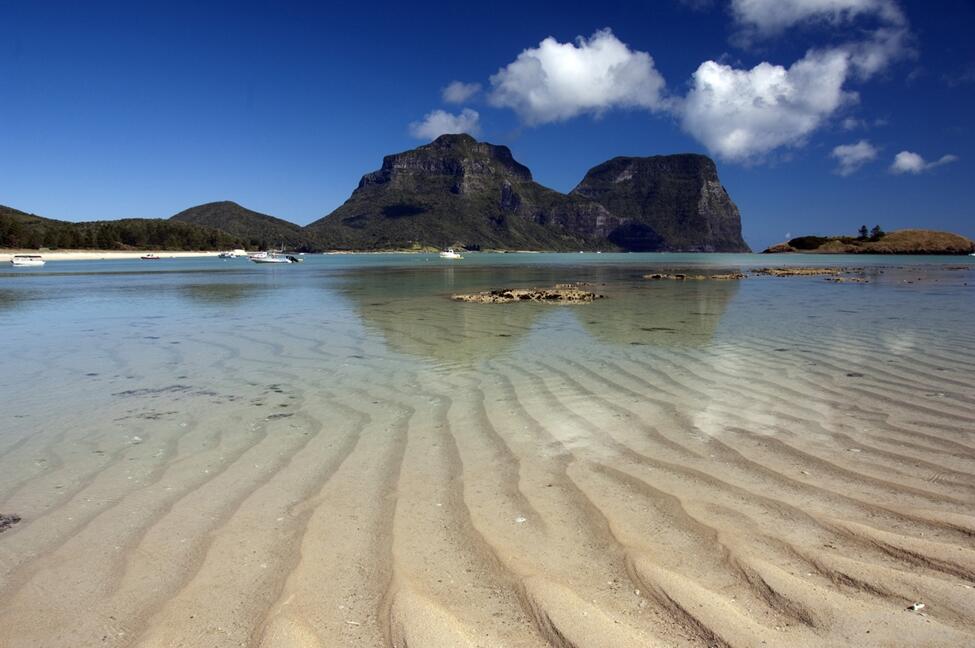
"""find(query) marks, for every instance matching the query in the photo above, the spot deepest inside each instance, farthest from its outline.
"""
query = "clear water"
(146, 405)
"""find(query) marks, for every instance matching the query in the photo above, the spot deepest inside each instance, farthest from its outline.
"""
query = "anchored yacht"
(27, 260)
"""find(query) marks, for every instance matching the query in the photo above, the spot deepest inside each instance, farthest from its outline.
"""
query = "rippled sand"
(684, 465)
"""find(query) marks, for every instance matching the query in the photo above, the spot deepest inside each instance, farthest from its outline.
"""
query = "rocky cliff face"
(458, 191)
(671, 203)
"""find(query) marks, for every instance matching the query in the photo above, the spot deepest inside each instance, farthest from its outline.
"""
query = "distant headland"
(876, 241)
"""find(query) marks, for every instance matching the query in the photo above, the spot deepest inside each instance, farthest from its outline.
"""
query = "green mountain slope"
(255, 229)
(458, 191)
(22, 230)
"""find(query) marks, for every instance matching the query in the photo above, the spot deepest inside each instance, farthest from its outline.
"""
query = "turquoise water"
(177, 428)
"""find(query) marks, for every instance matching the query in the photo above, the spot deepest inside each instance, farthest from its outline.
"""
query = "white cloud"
(910, 162)
(457, 92)
(853, 156)
(557, 81)
(888, 40)
(743, 114)
(771, 17)
(440, 122)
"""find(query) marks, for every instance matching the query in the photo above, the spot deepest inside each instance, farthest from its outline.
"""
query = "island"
(453, 192)
(905, 241)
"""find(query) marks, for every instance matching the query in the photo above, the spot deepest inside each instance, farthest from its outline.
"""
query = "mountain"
(458, 191)
(672, 203)
(906, 241)
(22, 230)
(255, 229)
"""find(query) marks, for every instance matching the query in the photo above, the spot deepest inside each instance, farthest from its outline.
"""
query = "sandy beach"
(434, 474)
(101, 255)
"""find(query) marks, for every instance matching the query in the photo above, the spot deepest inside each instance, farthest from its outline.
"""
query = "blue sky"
(821, 114)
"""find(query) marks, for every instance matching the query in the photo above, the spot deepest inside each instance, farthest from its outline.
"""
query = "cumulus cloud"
(743, 114)
(853, 156)
(888, 40)
(772, 17)
(738, 113)
(910, 162)
(557, 81)
(457, 92)
(440, 122)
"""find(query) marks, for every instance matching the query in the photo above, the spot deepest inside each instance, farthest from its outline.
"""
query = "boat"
(150, 257)
(27, 260)
(269, 258)
(232, 254)
(450, 254)
(274, 257)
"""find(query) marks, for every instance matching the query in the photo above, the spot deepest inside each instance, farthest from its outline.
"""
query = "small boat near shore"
(150, 257)
(27, 260)
(233, 254)
(274, 257)
(449, 253)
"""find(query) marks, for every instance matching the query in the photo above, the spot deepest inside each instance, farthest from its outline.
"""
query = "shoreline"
(104, 255)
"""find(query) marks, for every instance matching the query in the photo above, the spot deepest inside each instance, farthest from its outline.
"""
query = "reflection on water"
(10, 299)
(223, 293)
(662, 313)
(413, 313)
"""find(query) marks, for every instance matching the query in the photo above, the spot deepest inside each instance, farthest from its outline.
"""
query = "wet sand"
(401, 472)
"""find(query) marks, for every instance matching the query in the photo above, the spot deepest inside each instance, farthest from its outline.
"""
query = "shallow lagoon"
(196, 446)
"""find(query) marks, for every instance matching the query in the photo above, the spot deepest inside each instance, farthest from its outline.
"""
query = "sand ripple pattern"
(320, 484)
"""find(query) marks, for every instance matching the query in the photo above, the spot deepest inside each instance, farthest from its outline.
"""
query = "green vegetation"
(457, 192)
(907, 241)
(874, 234)
(256, 230)
(808, 242)
(22, 230)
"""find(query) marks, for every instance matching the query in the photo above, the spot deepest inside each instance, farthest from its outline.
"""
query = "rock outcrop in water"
(672, 203)
(560, 294)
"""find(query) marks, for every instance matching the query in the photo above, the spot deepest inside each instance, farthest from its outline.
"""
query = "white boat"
(232, 254)
(274, 257)
(27, 260)
(269, 258)
(450, 254)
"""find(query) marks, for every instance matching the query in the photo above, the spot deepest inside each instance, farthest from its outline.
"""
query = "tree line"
(113, 235)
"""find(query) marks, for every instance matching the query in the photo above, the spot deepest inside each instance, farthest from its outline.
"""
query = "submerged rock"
(7, 520)
(800, 272)
(560, 294)
(688, 277)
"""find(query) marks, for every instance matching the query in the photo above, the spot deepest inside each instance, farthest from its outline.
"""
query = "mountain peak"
(453, 139)
(670, 202)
